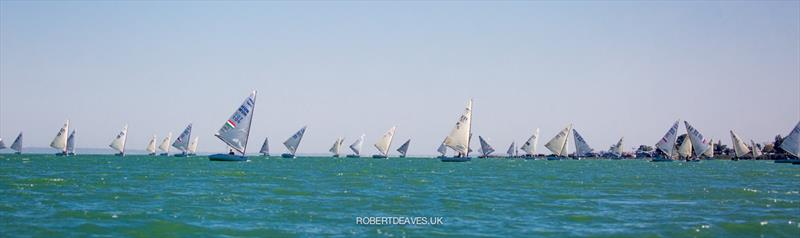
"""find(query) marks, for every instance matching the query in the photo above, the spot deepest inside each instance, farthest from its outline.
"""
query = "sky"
(612, 69)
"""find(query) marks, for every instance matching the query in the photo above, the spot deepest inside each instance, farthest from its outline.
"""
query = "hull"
(17, 153)
(335, 156)
(378, 156)
(661, 159)
(151, 154)
(455, 159)
(227, 157)
(61, 154)
(554, 158)
(353, 156)
(288, 156)
(181, 155)
(164, 154)
(787, 161)
(119, 154)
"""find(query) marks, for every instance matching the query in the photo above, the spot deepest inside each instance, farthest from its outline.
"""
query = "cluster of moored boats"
(235, 133)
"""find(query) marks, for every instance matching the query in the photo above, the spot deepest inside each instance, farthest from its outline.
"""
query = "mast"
(250, 123)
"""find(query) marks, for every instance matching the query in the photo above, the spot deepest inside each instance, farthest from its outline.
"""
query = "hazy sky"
(342, 68)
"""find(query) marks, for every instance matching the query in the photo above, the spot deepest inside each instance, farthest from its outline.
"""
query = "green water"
(140, 196)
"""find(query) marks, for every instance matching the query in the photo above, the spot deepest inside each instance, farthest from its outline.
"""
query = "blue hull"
(353, 156)
(288, 156)
(181, 155)
(455, 159)
(659, 159)
(378, 157)
(119, 154)
(554, 158)
(787, 161)
(226, 157)
(164, 154)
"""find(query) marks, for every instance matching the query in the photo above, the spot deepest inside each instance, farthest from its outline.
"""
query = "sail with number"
(486, 148)
(265, 147)
(699, 143)
(236, 130)
(337, 146)
(357, 145)
(165, 143)
(192, 149)
(60, 141)
(17, 145)
(617, 148)
(459, 137)
(71, 142)
(182, 142)
(581, 147)
(293, 142)
(710, 151)
(404, 148)
(756, 150)
(386, 141)
(667, 143)
(791, 143)
(119, 142)
(511, 149)
(558, 145)
(739, 147)
(530, 145)
(151, 145)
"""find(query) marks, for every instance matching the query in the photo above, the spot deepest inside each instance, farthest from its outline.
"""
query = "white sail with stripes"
(294, 141)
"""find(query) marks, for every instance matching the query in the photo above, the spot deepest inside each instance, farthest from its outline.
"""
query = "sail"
(356, 146)
(459, 137)
(511, 149)
(699, 143)
(386, 141)
(667, 143)
(2, 145)
(293, 142)
(564, 151)
(710, 151)
(60, 142)
(71, 142)
(182, 142)
(756, 150)
(265, 147)
(739, 147)
(17, 145)
(236, 129)
(165, 143)
(119, 142)
(685, 149)
(192, 149)
(581, 147)
(442, 149)
(791, 143)
(151, 146)
(558, 145)
(337, 146)
(404, 148)
(617, 148)
(530, 145)
(486, 149)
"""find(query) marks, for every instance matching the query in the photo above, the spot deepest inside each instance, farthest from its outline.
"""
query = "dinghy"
(756, 151)
(151, 146)
(459, 137)
(512, 150)
(337, 147)
(71, 143)
(265, 148)
(404, 148)
(617, 149)
(486, 149)
(791, 144)
(356, 147)
(558, 145)
(17, 145)
(192, 150)
(293, 143)
(118, 143)
(685, 149)
(236, 130)
(60, 141)
(530, 145)
(709, 154)
(182, 142)
(165, 145)
(442, 151)
(665, 148)
(699, 143)
(582, 149)
(384, 144)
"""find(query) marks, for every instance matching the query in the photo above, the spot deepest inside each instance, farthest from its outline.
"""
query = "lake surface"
(142, 196)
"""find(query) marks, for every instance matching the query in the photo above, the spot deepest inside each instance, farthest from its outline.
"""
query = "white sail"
(337, 146)
(293, 142)
(618, 148)
(60, 141)
(385, 142)
(71, 142)
(739, 147)
(442, 149)
(182, 142)
(17, 145)
(356, 146)
(530, 145)
(165, 143)
(685, 149)
(404, 148)
(581, 147)
(667, 143)
(699, 143)
(236, 130)
(558, 145)
(459, 137)
(791, 143)
(2, 145)
(710, 151)
(265, 147)
(192, 149)
(151, 145)
(119, 142)
(511, 149)
(486, 148)
(756, 150)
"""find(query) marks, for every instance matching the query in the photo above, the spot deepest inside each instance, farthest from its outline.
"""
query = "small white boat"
(337, 147)
(356, 147)
(236, 131)
(118, 143)
(404, 148)
(164, 146)
(460, 136)
(558, 145)
(60, 141)
(151, 146)
(182, 142)
(384, 144)
(666, 146)
(293, 143)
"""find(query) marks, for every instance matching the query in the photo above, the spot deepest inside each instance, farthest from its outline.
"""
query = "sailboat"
(442, 150)
(756, 151)
(2, 145)
(119, 142)
(192, 150)
(739, 147)
(617, 149)
(709, 154)
(685, 149)
(293, 143)
(356, 147)
(182, 142)
(71, 143)
(486, 148)
(460, 136)
(512, 150)
(582, 149)
(791, 144)
(60, 141)
(404, 148)
(164, 146)
(666, 146)
(236, 130)
(151, 146)
(699, 143)
(265, 148)
(17, 145)
(384, 143)
(337, 147)
(530, 145)
(558, 145)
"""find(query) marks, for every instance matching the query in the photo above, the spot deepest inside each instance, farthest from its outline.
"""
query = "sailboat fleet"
(234, 133)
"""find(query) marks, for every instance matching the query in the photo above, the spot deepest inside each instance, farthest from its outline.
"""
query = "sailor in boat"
(231, 152)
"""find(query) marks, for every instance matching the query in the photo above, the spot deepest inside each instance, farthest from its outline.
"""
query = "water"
(140, 196)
